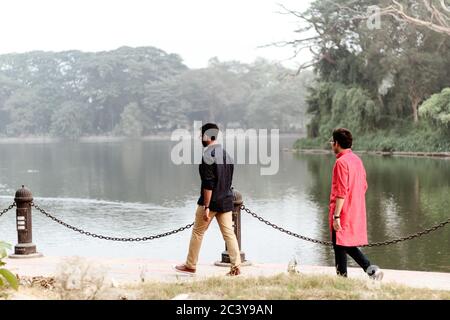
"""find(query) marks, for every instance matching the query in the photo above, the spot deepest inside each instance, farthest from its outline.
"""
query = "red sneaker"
(183, 269)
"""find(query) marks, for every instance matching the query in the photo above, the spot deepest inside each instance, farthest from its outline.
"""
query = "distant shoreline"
(99, 139)
(90, 139)
(380, 153)
(166, 137)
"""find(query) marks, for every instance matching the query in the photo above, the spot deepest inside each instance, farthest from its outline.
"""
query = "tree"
(131, 121)
(69, 120)
(7, 88)
(37, 89)
(394, 68)
(119, 77)
(29, 111)
(210, 94)
(281, 105)
(437, 110)
(35, 85)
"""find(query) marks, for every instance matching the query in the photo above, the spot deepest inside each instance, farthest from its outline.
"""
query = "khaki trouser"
(225, 221)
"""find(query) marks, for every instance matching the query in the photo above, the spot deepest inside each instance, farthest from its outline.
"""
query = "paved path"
(134, 270)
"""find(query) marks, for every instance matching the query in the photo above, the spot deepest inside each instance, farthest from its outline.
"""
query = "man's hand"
(206, 216)
(337, 224)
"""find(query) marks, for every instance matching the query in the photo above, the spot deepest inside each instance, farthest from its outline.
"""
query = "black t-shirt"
(216, 173)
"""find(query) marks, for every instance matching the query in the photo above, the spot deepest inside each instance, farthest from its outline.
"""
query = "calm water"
(132, 189)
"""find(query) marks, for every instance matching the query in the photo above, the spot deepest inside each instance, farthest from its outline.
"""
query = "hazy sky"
(195, 29)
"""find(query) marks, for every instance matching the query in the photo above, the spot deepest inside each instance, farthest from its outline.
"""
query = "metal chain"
(7, 209)
(410, 237)
(329, 243)
(98, 236)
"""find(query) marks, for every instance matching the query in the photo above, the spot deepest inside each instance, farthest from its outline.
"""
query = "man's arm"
(207, 194)
(339, 205)
(341, 177)
(208, 182)
(337, 214)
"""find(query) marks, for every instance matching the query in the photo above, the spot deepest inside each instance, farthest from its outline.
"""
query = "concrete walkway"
(121, 271)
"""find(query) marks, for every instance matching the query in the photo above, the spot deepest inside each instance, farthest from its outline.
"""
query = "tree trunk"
(415, 101)
(415, 107)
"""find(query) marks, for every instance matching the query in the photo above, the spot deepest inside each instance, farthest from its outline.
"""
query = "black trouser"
(340, 255)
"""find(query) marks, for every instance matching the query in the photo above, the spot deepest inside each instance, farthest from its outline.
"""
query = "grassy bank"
(283, 286)
(388, 141)
(287, 287)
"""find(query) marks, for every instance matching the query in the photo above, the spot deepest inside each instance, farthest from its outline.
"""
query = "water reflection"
(132, 189)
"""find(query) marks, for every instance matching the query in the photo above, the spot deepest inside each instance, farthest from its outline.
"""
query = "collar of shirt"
(210, 148)
(340, 154)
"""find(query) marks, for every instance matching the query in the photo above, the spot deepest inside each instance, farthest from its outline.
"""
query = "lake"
(133, 189)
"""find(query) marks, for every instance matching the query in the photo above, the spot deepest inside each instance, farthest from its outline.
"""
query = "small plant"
(6, 277)
(143, 273)
(77, 279)
(293, 267)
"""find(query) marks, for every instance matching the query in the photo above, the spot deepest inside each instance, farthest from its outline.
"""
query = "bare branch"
(399, 5)
(301, 16)
(312, 51)
(306, 65)
(289, 11)
(441, 17)
(427, 5)
(293, 43)
(397, 11)
(438, 22)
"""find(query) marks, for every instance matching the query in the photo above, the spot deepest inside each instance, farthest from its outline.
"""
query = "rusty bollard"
(237, 203)
(25, 247)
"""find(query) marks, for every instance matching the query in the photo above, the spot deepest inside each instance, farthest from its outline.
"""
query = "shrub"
(6, 277)
(437, 109)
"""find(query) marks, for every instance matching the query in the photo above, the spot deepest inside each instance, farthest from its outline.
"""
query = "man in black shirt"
(216, 200)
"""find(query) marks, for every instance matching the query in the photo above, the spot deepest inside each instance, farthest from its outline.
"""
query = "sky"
(196, 29)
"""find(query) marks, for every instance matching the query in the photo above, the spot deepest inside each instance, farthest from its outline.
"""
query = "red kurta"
(349, 182)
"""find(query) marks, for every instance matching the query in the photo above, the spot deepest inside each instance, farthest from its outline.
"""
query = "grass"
(285, 287)
(280, 287)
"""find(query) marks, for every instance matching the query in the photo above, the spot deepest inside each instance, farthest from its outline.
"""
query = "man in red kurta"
(348, 206)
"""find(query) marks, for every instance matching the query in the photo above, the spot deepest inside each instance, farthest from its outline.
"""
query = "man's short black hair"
(343, 137)
(211, 130)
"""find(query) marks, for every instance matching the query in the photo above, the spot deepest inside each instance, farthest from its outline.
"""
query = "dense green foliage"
(74, 93)
(373, 81)
(411, 139)
(437, 110)
(141, 91)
